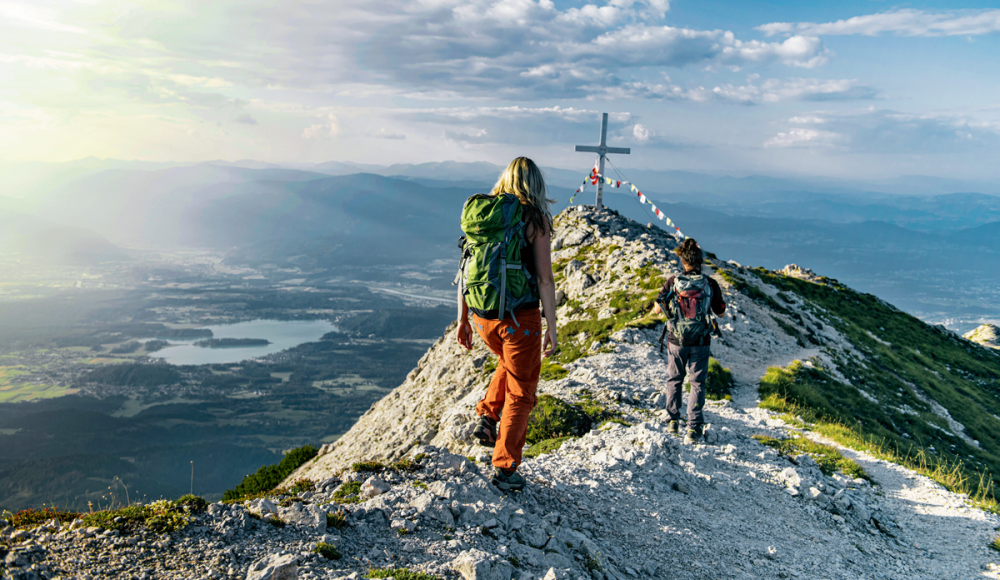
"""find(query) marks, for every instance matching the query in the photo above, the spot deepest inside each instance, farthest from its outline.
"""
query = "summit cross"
(603, 149)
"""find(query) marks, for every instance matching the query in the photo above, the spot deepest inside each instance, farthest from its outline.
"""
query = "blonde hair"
(523, 179)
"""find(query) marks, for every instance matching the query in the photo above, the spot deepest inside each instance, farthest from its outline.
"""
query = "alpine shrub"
(328, 551)
(32, 517)
(269, 477)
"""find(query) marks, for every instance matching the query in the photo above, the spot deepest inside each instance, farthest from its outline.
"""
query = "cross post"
(603, 150)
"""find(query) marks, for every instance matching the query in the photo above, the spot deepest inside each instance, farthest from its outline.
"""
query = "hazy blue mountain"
(152, 208)
(356, 219)
(41, 240)
(925, 213)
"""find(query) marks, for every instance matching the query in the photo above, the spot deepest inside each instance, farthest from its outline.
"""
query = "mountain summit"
(842, 434)
(986, 335)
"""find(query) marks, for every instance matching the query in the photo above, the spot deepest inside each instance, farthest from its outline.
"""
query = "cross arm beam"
(594, 149)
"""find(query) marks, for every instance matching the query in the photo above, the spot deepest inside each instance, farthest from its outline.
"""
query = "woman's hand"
(550, 341)
(464, 334)
(657, 309)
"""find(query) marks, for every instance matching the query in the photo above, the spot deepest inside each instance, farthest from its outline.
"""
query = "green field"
(11, 392)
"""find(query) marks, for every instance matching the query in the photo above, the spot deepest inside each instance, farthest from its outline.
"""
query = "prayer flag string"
(594, 177)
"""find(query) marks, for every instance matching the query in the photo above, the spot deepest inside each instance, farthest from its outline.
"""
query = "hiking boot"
(693, 436)
(674, 427)
(507, 481)
(486, 431)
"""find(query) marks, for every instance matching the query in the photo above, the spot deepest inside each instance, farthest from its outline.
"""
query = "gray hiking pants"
(683, 360)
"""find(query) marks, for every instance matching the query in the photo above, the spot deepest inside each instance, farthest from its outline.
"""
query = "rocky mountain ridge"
(768, 495)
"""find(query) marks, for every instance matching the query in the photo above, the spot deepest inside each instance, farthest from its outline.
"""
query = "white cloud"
(803, 138)
(504, 49)
(329, 127)
(641, 133)
(775, 90)
(383, 133)
(36, 17)
(882, 131)
(43, 62)
(906, 22)
(800, 51)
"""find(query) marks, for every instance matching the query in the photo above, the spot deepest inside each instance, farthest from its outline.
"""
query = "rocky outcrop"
(986, 335)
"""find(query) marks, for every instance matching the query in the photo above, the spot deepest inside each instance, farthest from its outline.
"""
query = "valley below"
(124, 378)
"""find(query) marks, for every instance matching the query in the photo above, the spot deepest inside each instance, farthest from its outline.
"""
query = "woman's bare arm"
(464, 332)
(542, 244)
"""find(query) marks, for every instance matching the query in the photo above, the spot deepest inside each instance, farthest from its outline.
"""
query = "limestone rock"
(374, 486)
(305, 516)
(574, 237)
(478, 565)
(274, 567)
(577, 282)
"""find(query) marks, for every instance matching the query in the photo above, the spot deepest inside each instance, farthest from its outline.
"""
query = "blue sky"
(846, 89)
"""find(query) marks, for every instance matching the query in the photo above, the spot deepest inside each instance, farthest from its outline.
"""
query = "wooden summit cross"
(603, 149)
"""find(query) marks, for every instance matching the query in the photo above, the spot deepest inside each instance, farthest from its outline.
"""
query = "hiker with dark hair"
(689, 300)
(506, 269)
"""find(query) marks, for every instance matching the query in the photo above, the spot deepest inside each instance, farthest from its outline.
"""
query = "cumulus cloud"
(906, 22)
(328, 127)
(883, 131)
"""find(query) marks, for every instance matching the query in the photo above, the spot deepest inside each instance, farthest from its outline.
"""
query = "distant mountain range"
(333, 214)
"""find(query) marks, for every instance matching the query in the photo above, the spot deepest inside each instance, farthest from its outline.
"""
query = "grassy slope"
(900, 354)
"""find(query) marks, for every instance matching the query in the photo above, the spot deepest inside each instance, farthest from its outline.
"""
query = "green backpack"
(493, 279)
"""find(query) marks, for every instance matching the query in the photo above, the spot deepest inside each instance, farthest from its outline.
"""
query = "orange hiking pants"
(511, 394)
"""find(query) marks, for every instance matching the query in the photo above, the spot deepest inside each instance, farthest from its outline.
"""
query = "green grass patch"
(553, 418)
(633, 310)
(490, 366)
(546, 446)
(328, 551)
(719, 385)
(406, 465)
(400, 574)
(593, 409)
(348, 492)
(337, 520)
(750, 290)
(301, 486)
(368, 466)
(811, 398)
(829, 459)
(269, 477)
(161, 516)
(621, 422)
(552, 371)
(422, 485)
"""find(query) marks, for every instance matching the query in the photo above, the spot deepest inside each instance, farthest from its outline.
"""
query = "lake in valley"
(282, 334)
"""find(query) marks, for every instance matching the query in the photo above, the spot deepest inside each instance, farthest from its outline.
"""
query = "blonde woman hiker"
(506, 271)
